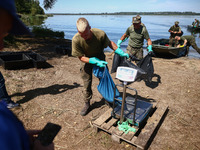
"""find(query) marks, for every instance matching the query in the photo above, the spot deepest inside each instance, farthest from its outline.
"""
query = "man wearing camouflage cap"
(174, 30)
(136, 34)
(139, 17)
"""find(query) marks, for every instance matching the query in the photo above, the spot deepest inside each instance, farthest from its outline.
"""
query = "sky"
(111, 6)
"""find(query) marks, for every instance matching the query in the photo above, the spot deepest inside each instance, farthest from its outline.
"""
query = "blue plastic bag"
(106, 84)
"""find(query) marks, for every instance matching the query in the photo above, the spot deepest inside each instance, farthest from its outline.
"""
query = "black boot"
(85, 109)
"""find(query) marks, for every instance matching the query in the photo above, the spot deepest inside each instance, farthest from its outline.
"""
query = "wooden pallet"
(142, 137)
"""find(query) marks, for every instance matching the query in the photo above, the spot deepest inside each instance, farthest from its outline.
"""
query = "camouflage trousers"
(172, 42)
(194, 45)
(86, 71)
(137, 52)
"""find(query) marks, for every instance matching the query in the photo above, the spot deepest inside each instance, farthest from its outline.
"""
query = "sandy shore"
(55, 95)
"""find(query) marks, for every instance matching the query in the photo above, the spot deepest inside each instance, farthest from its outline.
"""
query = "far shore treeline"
(130, 13)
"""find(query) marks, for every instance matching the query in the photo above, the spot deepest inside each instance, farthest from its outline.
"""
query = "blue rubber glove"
(194, 26)
(119, 42)
(97, 62)
(121, 53)
(150, 48)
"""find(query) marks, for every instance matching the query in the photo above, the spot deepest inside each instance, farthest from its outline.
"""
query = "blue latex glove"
(195, 26)
(97, 62)
(119, 42)
(150, 48)
(121, 53)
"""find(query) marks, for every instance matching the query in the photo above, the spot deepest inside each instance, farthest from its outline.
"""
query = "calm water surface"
(115, 26)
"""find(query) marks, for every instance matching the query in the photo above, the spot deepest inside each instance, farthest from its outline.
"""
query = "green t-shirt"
(137, 36)
(93, 48)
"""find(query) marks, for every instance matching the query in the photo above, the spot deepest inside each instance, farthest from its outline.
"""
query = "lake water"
(116, 25)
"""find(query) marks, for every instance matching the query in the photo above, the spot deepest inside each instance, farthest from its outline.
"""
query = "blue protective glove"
(119, 42)
(121, 53)
(194, 26)
(150, 48)
(97, 62)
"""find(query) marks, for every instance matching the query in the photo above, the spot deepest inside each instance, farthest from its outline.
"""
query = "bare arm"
(112, 45)
(123, 36)
(84, 59)
(170, 31)
(149, 41)
(185, 42)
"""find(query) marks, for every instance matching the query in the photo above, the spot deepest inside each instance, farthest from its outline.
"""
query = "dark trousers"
(3, 92)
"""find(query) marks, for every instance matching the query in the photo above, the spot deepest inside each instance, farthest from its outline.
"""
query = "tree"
(29, 7)
(48, 4)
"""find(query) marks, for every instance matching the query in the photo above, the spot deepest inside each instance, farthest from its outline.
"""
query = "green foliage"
(31, 20)
(29, 7)
(44, 32)
(48, 4)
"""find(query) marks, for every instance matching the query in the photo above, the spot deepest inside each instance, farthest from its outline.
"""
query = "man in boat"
(187, 40)
(174, 30)
(196, 23)
(137, 34)
(88, 45)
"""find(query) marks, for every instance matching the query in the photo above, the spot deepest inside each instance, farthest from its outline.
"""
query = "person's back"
(12, 133)
(189, 38)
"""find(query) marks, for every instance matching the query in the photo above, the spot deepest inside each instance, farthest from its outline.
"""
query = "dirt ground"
(55, 95)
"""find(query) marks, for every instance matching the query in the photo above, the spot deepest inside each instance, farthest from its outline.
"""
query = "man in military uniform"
(88, 45)
(174, 30)
(137, 34)
(187, 40)
(196, 23)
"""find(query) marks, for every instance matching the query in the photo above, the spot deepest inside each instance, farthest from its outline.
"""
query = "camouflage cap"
(136, 20)
(177, 22)
(139, 17)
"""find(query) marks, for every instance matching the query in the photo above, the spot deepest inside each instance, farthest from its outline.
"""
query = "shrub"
(43, 31)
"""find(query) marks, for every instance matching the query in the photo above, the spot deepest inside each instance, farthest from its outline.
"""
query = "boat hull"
(191, 28)
(161, 49)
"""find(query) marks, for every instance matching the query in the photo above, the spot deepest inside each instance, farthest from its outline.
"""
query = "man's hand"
(121, 53)
(38, 146)
(97, 62)
(150, 48)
